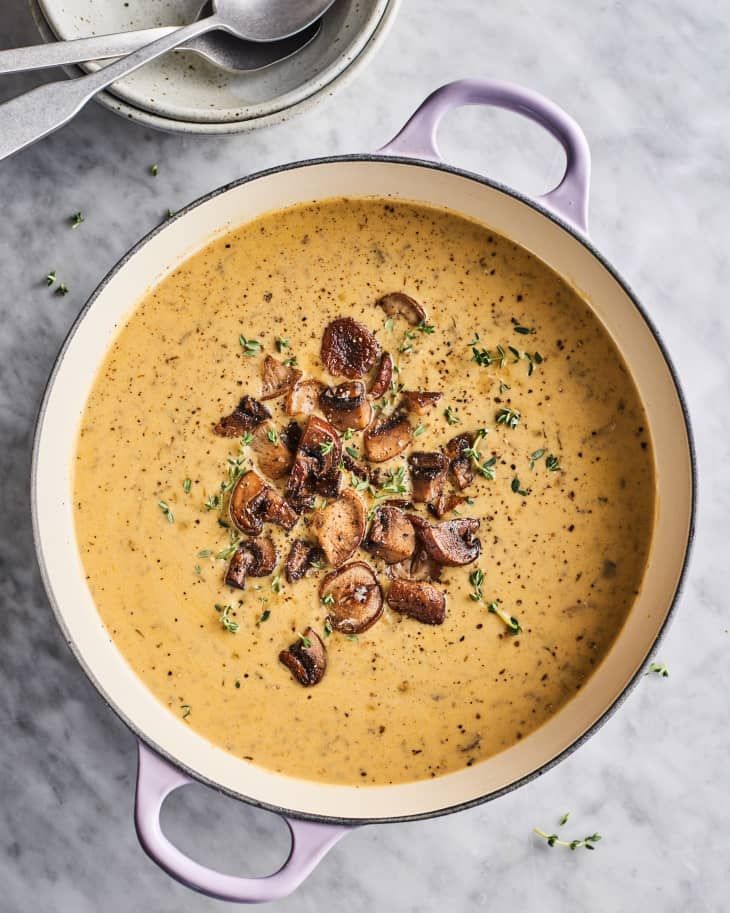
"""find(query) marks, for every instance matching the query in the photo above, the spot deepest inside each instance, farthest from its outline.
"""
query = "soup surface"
(562, 487)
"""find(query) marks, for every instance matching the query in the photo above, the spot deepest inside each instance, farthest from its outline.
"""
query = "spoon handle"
(79, 50)
(31, 116)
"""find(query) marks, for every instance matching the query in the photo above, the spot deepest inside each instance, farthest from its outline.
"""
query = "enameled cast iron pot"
(554, 228)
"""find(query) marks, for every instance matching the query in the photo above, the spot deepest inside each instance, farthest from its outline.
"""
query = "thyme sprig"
(513, 625)
(225, 618)
(502, 356)
(508, 417)
(553, 840)
(250, 347)
(485, 469)
(165, 508)
(660, 669)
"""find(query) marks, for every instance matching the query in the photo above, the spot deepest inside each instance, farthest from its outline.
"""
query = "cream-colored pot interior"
(72, 380)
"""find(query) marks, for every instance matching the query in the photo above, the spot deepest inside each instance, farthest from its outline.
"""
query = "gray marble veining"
(650, 84)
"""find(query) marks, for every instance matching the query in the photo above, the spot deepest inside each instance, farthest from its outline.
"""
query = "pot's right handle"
(569, 199)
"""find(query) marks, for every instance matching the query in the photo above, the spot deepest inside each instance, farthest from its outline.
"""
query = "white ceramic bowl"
(184, 94)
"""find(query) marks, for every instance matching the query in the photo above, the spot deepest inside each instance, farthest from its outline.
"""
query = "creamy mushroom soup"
(364, 492)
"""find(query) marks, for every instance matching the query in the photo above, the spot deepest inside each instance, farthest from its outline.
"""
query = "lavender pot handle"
(156, 779)
(569, 199)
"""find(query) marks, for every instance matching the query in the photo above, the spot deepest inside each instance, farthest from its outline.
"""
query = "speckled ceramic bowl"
(183, 93)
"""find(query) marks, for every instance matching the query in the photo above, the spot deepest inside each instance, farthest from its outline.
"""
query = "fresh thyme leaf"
(76, 219)
(273, 436)
(264, 616)
(419, 430)
(250, 347)
(223, 523)
(187, 710)
(328, 599)
(51, 277)
(513, 625)
(165, 508)
(406, 347)
(212, 503)
(225, 618)
(154, 170)
(451, 417)
(485, 358)
(225, 553)
(535, 456)
(187, 485)
(353, 452)
(509, 417)
(524, 331)
(198, 569)
(352, 637)
(327, 627)
(553, 463)
(306, 642)
(246, 439)
(518, 489)
(281, 344)
(564, 818)
(347, 435)
(426, 328)
(504, 387)
(276, 583)
(170, 213)
(325, 447)
(659, 669)
(395, 481)
(476, 579)
(291, 362)
(62, 289)
(389, 324)
(205, 553)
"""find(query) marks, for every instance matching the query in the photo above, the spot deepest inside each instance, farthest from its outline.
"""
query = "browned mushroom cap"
(339, 528)
(354, 598)
(445, 502)
(398, 304)
(428, 475)
(419, 567)
(253, 502)
(418, 600)
(387, 438)
(302, 555)
(346, 405)
(348, 348)
(356, 467)
(316, 468)
(275, 509)
(383, 377)
(452, 542)
(246, 416)
(253, 558)
(291, 436)
(306, 658)
(277, 378)
(238, 568)
(246, 503)
(303, 398)
(274, 459)
(391, 535)
(419, 402)
(461, 467)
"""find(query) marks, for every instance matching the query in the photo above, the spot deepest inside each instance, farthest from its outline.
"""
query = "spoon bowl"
(267, 20)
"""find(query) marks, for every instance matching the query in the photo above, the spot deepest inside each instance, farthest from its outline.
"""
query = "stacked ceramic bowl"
(183, 92)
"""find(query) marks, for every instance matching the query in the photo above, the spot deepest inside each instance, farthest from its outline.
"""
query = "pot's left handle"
(156, 779)
(417, 139)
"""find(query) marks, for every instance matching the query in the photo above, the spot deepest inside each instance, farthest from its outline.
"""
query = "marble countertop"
(649, 83)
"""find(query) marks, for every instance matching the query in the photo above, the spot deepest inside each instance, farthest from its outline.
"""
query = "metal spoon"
(222, 50)
(29, 117)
